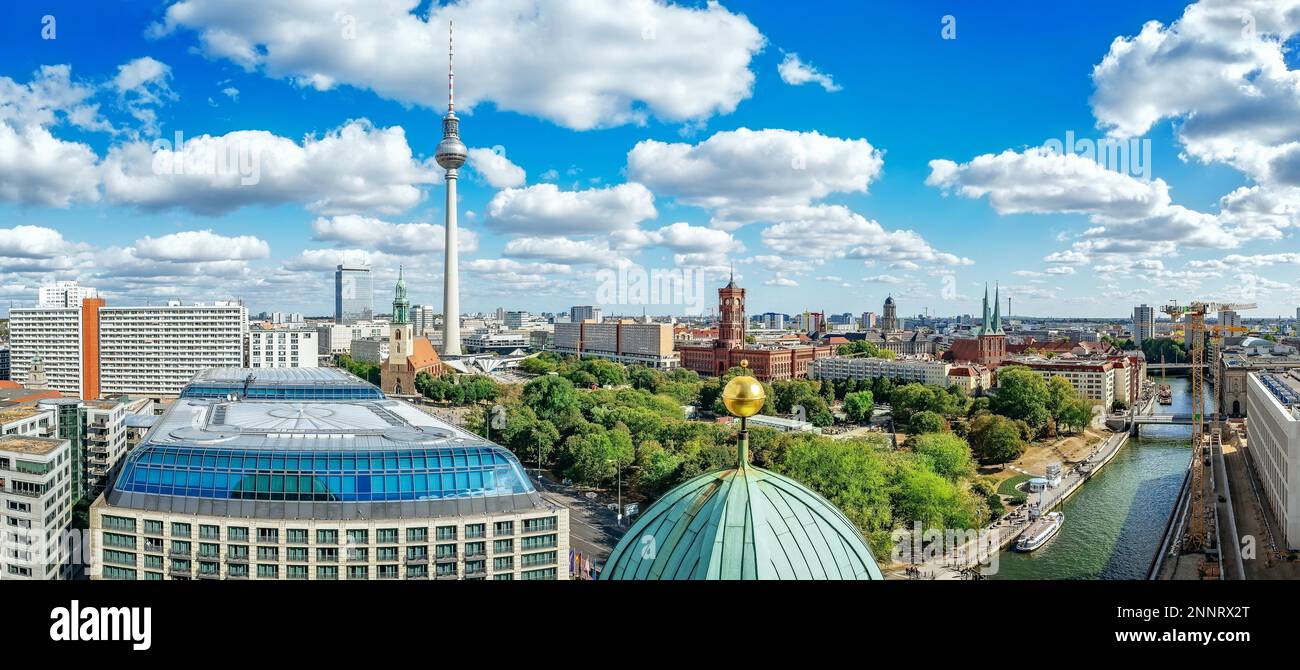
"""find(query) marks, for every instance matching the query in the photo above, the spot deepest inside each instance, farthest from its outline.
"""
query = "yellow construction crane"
(1193, 316)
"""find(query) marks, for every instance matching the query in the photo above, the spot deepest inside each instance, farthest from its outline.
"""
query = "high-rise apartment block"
(92, 351)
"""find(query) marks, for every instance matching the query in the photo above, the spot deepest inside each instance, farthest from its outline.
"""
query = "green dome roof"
(742, 523)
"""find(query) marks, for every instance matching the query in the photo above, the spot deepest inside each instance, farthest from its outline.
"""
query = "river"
(1114, 522)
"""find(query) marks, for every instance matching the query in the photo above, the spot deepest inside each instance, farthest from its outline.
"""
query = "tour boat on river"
(1040, 531)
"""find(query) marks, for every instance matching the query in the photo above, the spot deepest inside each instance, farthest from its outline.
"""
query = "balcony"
(475, 554)
(209, 575)
(179, 554)
(451, 576)
(448, 558)
(417, 560)
(238, 560)
(177, 572)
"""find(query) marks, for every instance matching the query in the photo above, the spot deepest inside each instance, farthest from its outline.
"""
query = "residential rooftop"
(18, 413)
(26, 444)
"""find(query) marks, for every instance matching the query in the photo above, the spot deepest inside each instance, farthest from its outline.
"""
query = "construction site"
(1221, 527)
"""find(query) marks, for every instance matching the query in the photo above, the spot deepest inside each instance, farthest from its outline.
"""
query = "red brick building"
(767, 364)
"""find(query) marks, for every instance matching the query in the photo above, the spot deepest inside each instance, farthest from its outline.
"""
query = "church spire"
(997, 310)
(984, 324)
(401, 306)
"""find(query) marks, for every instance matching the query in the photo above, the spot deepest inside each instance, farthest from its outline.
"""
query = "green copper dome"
(742, 523)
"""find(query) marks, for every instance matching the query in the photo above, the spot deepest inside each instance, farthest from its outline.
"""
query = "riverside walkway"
(1002, 532)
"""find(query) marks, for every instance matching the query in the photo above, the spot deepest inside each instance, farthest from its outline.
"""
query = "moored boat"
(1040, 531)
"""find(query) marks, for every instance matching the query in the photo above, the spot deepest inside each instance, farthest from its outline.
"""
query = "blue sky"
(834, 156)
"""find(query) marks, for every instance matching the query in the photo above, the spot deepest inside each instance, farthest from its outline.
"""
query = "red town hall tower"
(731, 323)
(767, 363)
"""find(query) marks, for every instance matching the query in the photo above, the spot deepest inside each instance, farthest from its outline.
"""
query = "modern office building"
(580, 313)
(36, 503)
(354, 298)
(1229, 318)
(629, 342)
(502, 342)
(370, 350)
(268, 485)
(1144, 323)
(282, 348)
(335, 338)
(923, 370)
(4, 364)
(422, 318)
(64, 294)
(1273, 402)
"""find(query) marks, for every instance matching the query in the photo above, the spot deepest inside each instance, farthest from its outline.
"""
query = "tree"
(657, 469)
(587, 457)
(644, 378)
(1022, 394)
(858, 406)
(949, 455)
(606, 373)
(827, 391)
(1076, 416)
(537, 366)
(926, 422)
(995, 439)
(552, 398)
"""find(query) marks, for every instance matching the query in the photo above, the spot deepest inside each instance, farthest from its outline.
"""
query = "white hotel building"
(1273, 405)
(923, 370)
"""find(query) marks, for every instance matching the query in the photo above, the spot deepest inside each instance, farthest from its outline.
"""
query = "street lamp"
(618, 469)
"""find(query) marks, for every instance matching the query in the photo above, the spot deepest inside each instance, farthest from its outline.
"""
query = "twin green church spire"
(992, 326)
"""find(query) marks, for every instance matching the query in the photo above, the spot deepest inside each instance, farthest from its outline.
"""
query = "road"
(593, 528)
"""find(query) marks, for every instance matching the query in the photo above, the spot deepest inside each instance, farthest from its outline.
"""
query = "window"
(475, 530)
(268, 535)
(417, 534)
(358, 536)
(539, 525)
(386, 554)
(503, 528)
(358, 555)
(417, 571)
(388, 572)
(538, 542)
(209, 549)
(417, 553)
(115, 522)
(504, 577)
(296, 572)
(446, 533)
(153, 562)
(237, 570)
(327, 572)
(446, 551)
(153, 527)
(446, 569)
(237, 552)
(548, 573)
(386, 536)
(209, 532)
(358, 572)
(180, 529)
(268, 553)
(503, 547)
(475, 568)
(268, 571)
(296, 535)
(327, 537)
(296, 554)
(503, 563)
(110, 572)
(327, 554)
(153, 576)
(475, 549)
(122, 541)
(180, 548)
(119, 557)
(237, 534)
(540, 558)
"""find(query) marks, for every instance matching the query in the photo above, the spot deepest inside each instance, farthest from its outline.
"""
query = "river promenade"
(1000, 533)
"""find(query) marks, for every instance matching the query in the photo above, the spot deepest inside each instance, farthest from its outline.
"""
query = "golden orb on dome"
(743, 395)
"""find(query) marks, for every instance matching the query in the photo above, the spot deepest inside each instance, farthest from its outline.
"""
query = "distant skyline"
(832, 156)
